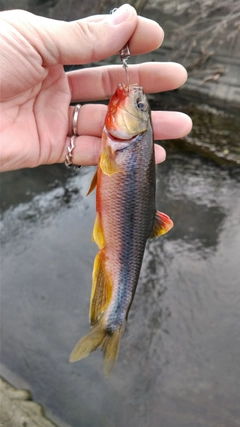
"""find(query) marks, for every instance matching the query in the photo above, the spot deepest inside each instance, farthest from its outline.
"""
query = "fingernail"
(123, 13)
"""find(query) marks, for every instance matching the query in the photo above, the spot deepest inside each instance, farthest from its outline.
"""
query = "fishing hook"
(124, 55)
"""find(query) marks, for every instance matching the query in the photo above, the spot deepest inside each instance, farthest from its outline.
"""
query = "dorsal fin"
(93, 183)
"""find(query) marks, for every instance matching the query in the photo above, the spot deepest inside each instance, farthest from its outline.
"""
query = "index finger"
(147, 36)
(98, 83)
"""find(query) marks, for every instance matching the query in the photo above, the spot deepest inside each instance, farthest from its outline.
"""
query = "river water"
(179, 362)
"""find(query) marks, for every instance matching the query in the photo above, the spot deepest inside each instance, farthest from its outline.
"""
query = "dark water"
(179, 363)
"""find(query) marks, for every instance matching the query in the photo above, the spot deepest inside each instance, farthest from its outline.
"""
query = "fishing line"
(125, 54)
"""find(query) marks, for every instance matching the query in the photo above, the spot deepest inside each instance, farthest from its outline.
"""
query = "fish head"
(128, 112)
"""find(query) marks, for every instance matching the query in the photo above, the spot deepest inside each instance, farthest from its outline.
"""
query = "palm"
(36, 116)
(36, 121)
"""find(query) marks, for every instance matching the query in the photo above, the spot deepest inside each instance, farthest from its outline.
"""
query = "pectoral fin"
(101, 289)
(108, 163)
(162, 224)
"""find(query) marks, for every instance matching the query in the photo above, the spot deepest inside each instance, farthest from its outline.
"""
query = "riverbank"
(18, 408)
(215, 83)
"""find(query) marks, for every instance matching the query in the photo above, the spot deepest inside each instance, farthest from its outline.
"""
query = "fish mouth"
(120, 144)
(121, 140)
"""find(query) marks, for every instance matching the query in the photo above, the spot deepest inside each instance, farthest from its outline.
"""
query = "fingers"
(170, 124)
(164, 76)
(87, 40)
(166, 124)
(160, 154)
(87, 151)
(96, 38)
(148, 34)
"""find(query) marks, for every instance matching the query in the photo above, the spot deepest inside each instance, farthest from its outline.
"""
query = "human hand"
(36, 116)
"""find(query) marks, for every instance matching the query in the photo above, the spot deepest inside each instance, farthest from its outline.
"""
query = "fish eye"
(142, 105)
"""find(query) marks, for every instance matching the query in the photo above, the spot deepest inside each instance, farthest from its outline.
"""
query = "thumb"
(86, 40)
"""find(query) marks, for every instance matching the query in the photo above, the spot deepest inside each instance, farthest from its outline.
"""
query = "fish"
(126, 217)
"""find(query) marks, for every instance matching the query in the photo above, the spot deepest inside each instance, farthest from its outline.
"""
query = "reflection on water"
(179, 357)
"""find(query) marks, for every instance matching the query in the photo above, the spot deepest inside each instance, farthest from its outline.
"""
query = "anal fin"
(101, 289)
(162, 224)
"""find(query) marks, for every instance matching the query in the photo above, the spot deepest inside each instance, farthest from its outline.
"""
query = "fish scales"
(129, 200)
(126, 217)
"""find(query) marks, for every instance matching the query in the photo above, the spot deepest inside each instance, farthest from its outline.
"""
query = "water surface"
(179, 362)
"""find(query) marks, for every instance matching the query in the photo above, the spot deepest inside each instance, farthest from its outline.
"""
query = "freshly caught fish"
(126, 218)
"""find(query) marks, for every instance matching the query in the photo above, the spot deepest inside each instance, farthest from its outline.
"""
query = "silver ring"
(75, 118)
(69, 156)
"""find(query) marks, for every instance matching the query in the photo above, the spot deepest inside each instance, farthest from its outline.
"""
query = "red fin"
(162, 224)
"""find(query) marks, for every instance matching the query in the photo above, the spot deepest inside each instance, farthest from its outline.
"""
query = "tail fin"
(110, 349)
(99, 336)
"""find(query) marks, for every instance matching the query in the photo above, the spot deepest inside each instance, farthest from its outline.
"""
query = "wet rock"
(215, 133)
(18, 409)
